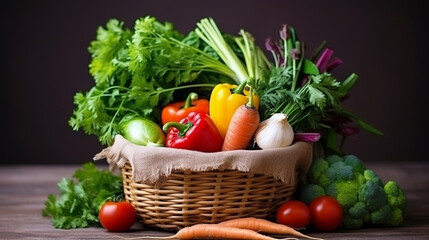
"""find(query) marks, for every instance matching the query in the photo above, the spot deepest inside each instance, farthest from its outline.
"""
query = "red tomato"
(117, 216)
(326, 213)
(294, 213)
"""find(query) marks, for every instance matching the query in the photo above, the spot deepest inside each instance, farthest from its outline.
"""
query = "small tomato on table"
(326, 213)
(117, 216)
(174, 112)
(196, 132)
(294, 213)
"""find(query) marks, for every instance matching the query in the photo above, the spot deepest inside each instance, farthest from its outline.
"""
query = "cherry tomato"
(326, 213)
(117, 216)
(294, 213)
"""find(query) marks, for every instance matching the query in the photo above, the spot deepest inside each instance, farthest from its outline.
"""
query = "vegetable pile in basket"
(157, 73)
(211, 91)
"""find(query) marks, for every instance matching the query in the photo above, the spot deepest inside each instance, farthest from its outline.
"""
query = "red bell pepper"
(197, 132)
(174, 112)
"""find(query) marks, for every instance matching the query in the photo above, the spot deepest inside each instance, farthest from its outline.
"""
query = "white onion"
(274, 132)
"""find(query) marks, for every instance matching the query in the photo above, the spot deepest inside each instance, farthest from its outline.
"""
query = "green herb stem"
(297, 70)
(115, 115)
(159, 91)
(200, 61)
(276, 62)
(285, 53)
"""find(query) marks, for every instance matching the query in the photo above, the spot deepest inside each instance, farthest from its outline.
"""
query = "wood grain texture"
(24, 189)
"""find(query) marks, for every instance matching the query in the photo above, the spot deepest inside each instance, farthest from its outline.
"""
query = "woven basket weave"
(187, 198)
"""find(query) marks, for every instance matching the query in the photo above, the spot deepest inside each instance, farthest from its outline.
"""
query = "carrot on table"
(242, 126)
(262, 225)
(211, 231)
(244, 228)
(218, 231)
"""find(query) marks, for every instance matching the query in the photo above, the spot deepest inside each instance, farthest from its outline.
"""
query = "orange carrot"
(242, 126)
(222, 231)
(218, 231)
(262, 225)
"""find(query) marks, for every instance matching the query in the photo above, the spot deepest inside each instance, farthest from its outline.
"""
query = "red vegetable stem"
(322, 62)
(333, 64)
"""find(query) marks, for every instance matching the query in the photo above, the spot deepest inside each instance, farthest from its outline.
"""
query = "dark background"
(44, 62)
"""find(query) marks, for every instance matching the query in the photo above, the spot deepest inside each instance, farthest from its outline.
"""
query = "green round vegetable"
(361, 193)
(142, 131)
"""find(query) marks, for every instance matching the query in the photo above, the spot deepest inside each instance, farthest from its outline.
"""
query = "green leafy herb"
(80, 197)
(139, 71)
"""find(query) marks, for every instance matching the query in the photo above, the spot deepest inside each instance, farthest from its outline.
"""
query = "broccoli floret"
(397, 202)
(372, 176)
(351, 223)
(345, 192)
(366, 218)
(333, 159)
(331, 190)
(359, 178)
(358, 210)
(316, 174)
(372, 195)
(331, 174)
(310, 192)
(395, 196)
(382, 215)
(396, 219)
(355, 162)
(339, 171)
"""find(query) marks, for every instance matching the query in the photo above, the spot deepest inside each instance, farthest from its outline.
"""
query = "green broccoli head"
(372, 176)
(372, 195)
(345, 192)
(361, 193)
(382, 215)
(316, 173)
(395, 196)
(355, 162)
(358, 210)
(351, 223)
(331, 159)
(396, 219)
(359, 178)
(310, 192)
(339, 171)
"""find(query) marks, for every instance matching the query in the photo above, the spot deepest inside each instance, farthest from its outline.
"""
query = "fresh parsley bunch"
(137, 72)
(81, 197)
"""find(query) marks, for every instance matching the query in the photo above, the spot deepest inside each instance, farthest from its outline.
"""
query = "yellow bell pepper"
(223, 103)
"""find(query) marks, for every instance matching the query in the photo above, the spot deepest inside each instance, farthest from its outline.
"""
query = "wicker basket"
(187, 198)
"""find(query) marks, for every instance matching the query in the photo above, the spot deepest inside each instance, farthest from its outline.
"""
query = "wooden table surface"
(24, 189)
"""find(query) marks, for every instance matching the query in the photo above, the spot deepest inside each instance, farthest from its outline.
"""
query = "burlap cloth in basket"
(152, 164)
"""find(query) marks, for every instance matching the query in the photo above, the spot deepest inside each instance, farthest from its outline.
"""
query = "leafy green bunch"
(81, 197)
(306, 91)
(138, 71)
